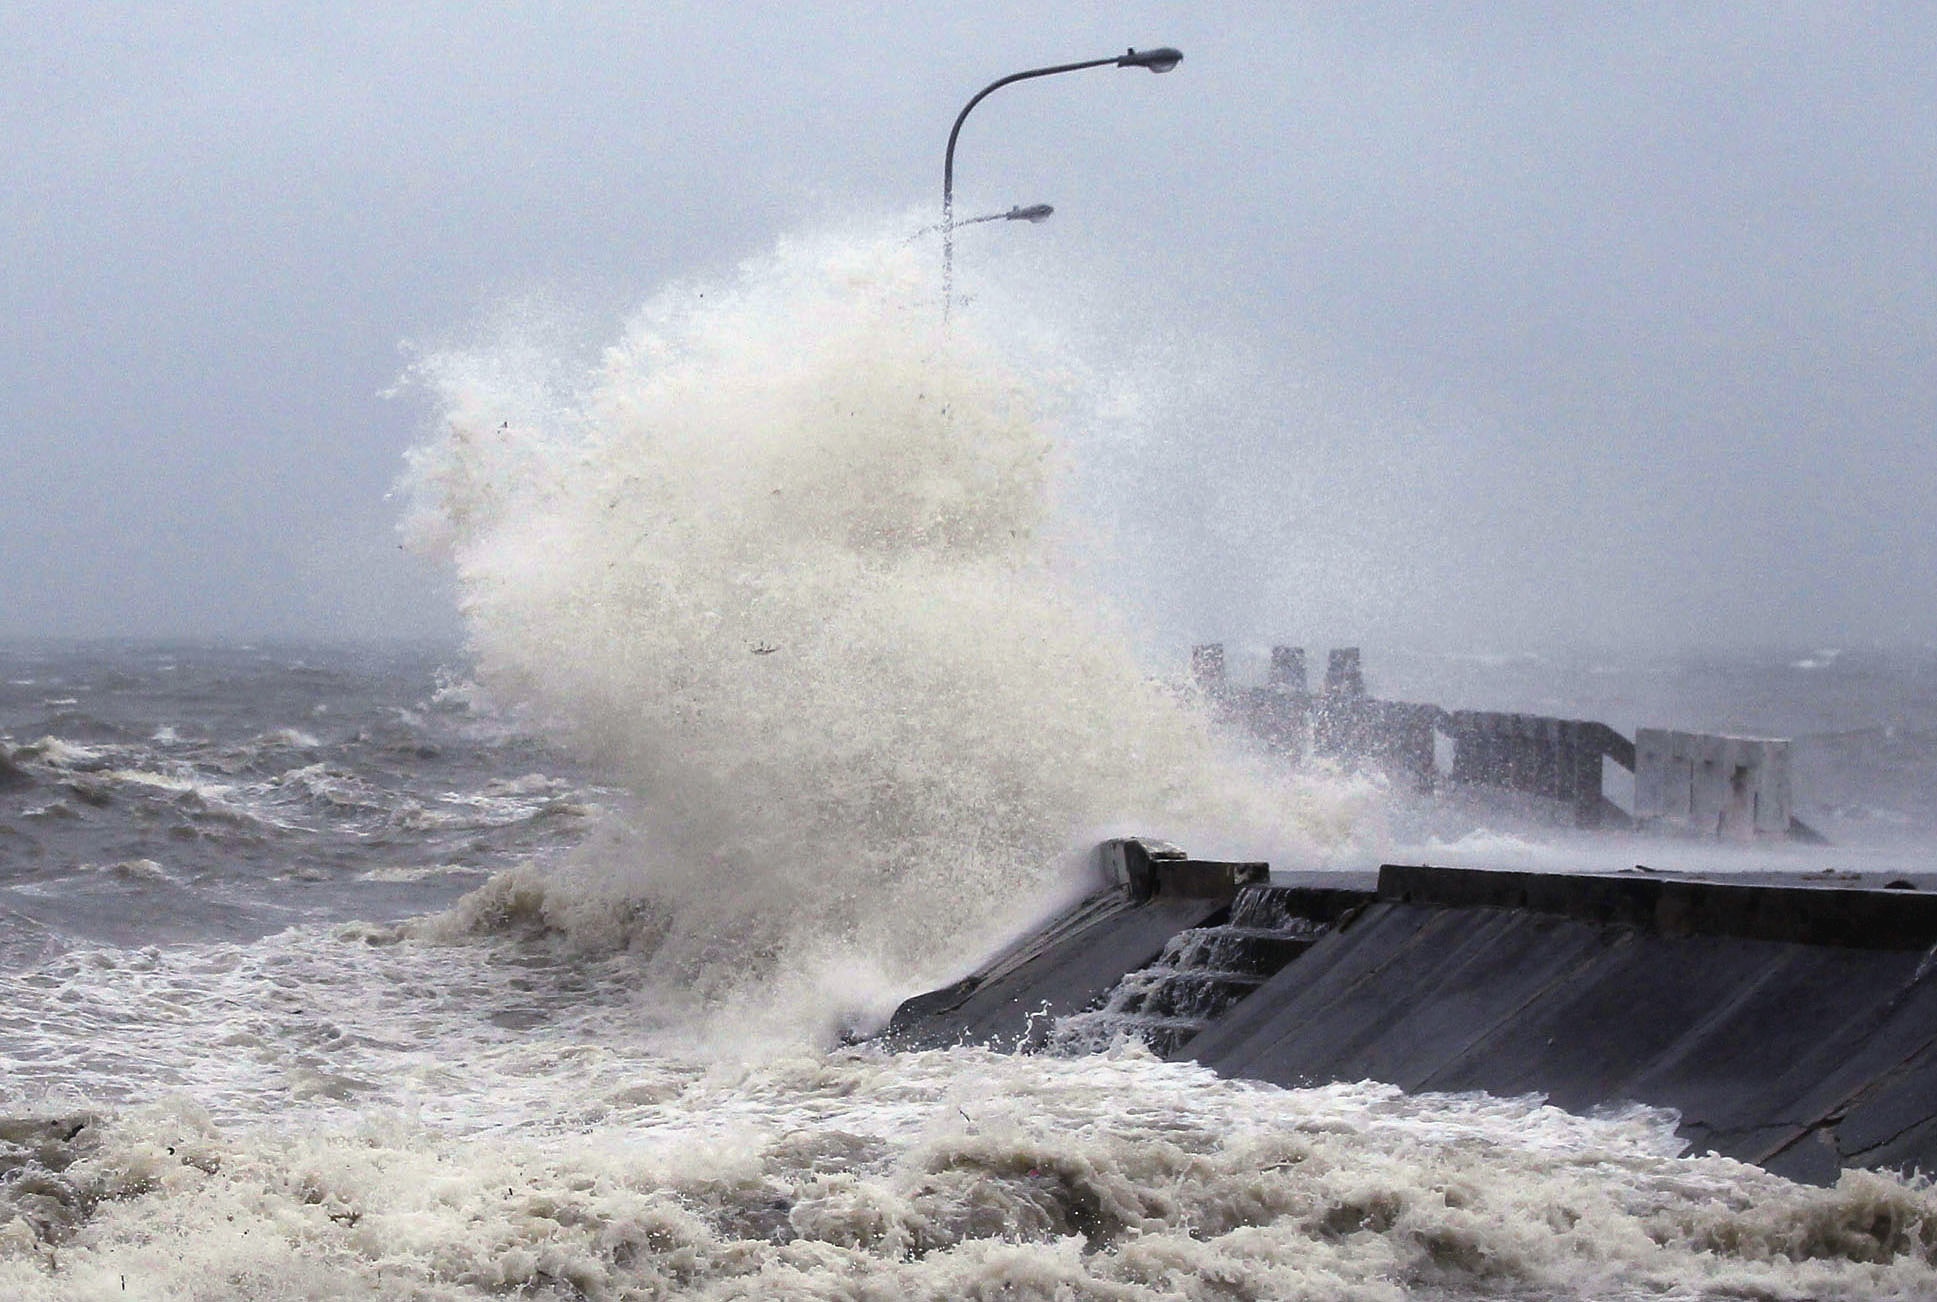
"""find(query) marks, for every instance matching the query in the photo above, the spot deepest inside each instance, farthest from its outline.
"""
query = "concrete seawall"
(1791, 1025)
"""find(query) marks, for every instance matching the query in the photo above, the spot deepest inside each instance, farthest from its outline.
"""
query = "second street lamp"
(1162, 59)
(1034, 214)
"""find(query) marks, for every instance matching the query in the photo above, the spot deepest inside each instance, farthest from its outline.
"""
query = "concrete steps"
(1176, 941)
(1202, 973)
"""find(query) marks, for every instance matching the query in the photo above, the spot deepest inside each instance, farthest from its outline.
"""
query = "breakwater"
(1791, 1023)
(1734, 788)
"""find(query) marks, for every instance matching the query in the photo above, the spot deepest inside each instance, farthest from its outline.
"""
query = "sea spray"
(780, 557)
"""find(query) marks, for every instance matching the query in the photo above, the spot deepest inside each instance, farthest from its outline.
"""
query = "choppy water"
(521, 971)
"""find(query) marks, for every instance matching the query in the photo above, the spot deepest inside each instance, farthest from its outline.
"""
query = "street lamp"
(1034, 213)
(1158, 60)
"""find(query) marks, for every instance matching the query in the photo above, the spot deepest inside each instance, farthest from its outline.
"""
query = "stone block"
(1733, 788)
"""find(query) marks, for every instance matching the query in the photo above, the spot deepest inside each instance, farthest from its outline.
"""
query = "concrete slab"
(1253, 1039)
(1595, 990)
(1771, 1040)
(1791, 1024)
(1065, 979)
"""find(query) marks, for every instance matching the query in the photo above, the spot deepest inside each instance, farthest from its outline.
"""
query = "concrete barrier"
(1207, 669)
(1737, 788)
(1557, 759)
(1689, 783)
(1287, 669)
(1791, 1026)
(1148, 891)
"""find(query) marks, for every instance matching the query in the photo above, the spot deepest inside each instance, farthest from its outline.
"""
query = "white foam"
(174, 783)
(425, 872)
(134, 870)
(63, 754)
(289, 739)
(944, 1175)
(778, 558)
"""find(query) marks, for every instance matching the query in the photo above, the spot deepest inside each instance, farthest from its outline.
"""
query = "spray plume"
(780, 558)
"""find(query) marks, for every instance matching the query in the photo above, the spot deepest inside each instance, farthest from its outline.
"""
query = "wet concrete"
(1148, 893)
(1791, 1022)
(1015, 1008)
(1793, 1026)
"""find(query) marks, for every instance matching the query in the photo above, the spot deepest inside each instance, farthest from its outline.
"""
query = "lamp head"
(1162, 59)
(1035, 212)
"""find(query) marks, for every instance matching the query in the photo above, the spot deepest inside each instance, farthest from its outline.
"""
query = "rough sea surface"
(268, 1032)
(531, 969)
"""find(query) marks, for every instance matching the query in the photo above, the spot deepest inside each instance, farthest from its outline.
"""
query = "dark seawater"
(282, 1015)
(162, 793)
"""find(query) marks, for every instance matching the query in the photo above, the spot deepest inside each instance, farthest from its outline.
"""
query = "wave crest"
(779, 557)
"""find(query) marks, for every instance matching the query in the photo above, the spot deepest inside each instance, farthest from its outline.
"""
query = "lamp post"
(1033, 213)
(1158, 60)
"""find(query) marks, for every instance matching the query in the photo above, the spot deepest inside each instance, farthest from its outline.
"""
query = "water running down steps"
(1164, 946)
(1202, 973)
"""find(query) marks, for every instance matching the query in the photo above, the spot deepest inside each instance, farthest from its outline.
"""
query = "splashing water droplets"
(780, 561)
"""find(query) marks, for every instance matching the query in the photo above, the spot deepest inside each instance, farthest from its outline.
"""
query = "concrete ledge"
(1010, 1004)
(1144, 868)
(1149, 892)
(1795, 911)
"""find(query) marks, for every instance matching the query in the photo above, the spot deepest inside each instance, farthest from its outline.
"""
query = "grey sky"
(1484, 324)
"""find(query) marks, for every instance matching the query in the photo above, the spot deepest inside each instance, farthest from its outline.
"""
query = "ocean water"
(533, 967)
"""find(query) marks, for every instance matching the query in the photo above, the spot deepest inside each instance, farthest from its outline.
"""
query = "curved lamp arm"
(1162, 59)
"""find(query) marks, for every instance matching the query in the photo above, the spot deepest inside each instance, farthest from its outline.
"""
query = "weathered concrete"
(1850, 910)
(1792, 1022)
(1205, 970)
(1004, 1007)
(1558, 759)
(1737, 788)
(1692, 784)
(1791, 1026)
(1148, 892)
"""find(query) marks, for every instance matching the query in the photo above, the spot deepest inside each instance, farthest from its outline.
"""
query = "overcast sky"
(1481, 325)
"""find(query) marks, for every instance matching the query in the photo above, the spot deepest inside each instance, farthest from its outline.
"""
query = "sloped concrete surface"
(1012, 1008)
(1791, 1023)
(1792, 1027)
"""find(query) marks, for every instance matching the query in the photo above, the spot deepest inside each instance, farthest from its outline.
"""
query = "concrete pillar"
(1339, 722)
(1288, 668)
(1477, 753)
(1410, 731)
(1343, 677)
(1566, 771)
(1546, 758)
(1207, 667)
(1522, 764)
(1579, 772)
